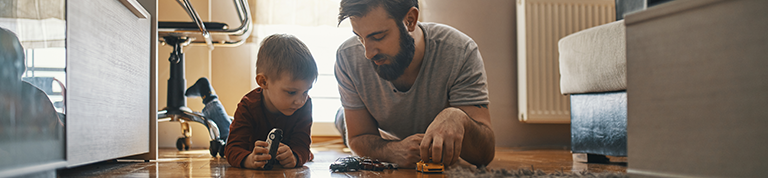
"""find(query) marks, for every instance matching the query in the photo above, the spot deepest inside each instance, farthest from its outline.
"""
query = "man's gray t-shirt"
(451, 74)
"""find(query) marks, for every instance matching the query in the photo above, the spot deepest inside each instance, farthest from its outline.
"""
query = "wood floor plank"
(199, 163)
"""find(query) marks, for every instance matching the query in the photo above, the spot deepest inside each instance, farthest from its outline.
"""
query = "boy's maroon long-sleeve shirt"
(253, 122)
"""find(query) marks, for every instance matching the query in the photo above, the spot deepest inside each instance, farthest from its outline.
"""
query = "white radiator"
(540, 24)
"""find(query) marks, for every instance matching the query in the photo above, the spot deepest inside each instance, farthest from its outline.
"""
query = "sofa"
(593, 72)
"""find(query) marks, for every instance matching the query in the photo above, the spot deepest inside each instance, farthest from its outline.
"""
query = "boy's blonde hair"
(282, 54)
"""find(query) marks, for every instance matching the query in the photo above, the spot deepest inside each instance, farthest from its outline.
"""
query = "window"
(45, 70)
(40, 27)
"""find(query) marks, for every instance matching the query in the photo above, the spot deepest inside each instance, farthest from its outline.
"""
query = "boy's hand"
(259, 157)
(285, 156)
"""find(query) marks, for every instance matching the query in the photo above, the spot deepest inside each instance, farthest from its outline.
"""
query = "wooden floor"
(199, 163)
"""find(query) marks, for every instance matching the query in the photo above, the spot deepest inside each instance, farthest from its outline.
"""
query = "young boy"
(285, 71)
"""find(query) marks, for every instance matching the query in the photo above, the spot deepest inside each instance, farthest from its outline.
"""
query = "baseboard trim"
(324, 129)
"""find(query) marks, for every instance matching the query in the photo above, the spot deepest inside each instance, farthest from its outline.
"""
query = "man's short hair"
(282, 54)
(358, 8)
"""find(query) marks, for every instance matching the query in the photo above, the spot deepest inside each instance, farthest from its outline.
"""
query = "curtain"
(37, 23)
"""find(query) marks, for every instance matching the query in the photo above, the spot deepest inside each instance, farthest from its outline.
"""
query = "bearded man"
(410, 90)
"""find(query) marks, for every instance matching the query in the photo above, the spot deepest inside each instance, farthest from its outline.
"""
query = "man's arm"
(460, 131)
(465, 127)
(480, 144)
(365, 140)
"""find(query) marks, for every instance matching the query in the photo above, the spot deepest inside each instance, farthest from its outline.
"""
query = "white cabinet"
(696, 89)
(109, 78)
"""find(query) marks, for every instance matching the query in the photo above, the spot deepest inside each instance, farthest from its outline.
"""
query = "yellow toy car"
(429, 167)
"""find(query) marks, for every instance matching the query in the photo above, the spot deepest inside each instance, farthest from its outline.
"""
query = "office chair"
(181, 34)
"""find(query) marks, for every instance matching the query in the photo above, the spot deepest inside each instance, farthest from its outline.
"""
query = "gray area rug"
(484, 172)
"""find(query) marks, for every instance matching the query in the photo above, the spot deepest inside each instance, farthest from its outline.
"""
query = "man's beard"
(399, 62)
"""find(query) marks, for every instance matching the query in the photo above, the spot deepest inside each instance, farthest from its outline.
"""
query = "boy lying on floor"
(285, 71)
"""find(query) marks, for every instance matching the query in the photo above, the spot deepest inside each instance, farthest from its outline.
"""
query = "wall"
(491, 23)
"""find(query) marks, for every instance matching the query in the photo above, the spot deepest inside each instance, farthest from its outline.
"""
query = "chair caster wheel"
(182, 143)
(221, 150)
(215, 147)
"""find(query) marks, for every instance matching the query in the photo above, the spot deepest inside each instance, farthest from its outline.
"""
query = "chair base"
(184, 115)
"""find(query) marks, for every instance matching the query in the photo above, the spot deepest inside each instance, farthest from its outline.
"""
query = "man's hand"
(259, 157)
(285, 156)
(444, 137)
(405, 153)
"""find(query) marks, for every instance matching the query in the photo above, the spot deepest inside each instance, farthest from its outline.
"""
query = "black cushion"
(599, 123)
(192, 25)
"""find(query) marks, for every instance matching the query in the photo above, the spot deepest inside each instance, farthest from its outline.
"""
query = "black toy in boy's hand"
(273, 139)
